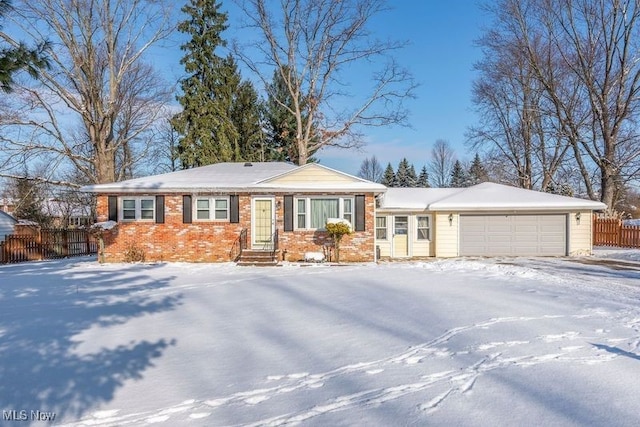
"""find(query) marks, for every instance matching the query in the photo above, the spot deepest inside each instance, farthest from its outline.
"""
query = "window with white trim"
(137, 208)
(381, 227)
(312, 212)
(423, 229)
(212, 208)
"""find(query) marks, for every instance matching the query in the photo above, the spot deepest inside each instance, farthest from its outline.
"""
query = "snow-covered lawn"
(482, 342)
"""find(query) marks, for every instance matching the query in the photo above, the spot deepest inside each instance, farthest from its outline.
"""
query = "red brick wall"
(213, 241)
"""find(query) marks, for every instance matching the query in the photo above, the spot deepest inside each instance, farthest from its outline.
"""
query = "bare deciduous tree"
(583, 55)
(441, 164)
(93, 109)
(516, 121)
(310, 43)
(371, 169)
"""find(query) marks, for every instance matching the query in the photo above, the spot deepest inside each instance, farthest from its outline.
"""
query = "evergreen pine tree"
(423, 179)
(280, 122)
(220, 118)
(412, 178)
(458, 176)
(16, 56)
(246, 117)
(477, 172)
(389, 177)
(402, 174)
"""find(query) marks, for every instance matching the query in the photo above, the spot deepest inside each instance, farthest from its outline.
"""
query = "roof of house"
(5, 216)
(414, 198)
(487, 196)
(252, 177)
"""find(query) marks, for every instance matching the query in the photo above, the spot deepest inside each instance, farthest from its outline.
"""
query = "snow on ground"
(504, 341)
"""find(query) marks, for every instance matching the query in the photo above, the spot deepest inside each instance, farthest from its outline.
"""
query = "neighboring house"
(65, 214)
(7, 205)
(200, 215)
(483, 220)
(7, 224)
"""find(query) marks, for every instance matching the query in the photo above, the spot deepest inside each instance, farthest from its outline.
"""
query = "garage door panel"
(523, 235)
(498, 228)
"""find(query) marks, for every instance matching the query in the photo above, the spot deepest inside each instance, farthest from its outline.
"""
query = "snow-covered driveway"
(447, 342)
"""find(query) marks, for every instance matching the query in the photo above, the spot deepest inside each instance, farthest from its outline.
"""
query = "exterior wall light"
(578, 218)
(450, 219)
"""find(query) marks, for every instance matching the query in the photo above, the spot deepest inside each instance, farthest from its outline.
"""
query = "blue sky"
(440, 55)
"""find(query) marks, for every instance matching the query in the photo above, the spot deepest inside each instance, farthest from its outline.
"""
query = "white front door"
(262, 223)
(400, 236)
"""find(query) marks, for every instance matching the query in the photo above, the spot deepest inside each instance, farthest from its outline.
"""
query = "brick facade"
(213, 241)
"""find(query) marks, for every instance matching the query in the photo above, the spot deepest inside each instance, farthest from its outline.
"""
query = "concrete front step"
(257, 258)
(246, 263)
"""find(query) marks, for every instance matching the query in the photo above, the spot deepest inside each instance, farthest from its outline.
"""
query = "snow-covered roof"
(414, 198)
(219, 176)
(229, 177)
(487, 196)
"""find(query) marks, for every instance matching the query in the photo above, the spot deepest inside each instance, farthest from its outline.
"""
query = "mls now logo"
(15, 415)
(28, 415)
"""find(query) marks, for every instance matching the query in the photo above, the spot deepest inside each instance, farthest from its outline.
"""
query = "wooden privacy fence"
(47, 244)
(613, 232)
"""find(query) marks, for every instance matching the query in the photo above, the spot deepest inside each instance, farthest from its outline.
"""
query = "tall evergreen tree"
(203, 119)
(458, 176)
(281, 126)
(220, 119)
(389, 177)
(403, 178)
(246, 116)
(423, 178)
(477, 172)
(412, 177)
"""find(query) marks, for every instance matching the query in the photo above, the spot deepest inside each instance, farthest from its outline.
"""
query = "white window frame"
(137, 200)
(212, 208)
(428, 227)
(385, 228)
(307, 213)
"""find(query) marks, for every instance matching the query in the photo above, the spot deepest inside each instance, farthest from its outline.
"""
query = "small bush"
(134, 254)
(337, 230)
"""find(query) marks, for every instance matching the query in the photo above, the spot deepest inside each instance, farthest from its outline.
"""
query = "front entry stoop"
(257, 258)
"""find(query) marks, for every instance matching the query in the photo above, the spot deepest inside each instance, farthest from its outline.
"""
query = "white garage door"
(526, 235)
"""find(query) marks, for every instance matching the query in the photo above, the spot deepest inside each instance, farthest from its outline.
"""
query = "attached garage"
(487, 219)
(513, 235)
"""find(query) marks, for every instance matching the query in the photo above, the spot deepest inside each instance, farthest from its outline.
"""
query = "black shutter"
(360, 213)
(159, 209)
(113, 208)
(186, 209)
(234, 209)
(288, 213)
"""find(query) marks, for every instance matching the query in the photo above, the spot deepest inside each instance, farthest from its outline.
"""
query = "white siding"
(6, 225)
(416, 248)
(581, 233)
(446, 234)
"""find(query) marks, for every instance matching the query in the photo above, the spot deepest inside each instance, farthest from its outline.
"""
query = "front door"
(400, 236)
(263, 222)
